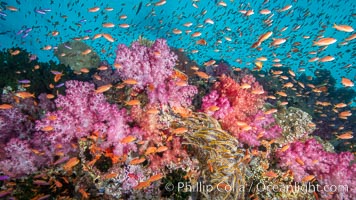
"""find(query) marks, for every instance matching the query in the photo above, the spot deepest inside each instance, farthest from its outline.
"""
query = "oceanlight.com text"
(259, 188)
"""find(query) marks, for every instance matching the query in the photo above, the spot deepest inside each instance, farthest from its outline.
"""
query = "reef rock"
(77, 55)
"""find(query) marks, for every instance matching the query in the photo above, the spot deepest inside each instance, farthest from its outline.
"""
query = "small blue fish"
(4, 178)
(82, 20)
(19, 32)
(3, 14)
(24, 35)
(40, 12)
(68, 47)
(59, 85)
(28, 30)
(25, 81)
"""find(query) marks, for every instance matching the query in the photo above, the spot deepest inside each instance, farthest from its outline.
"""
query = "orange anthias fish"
(324, 42)
(258, 91)
(161, 149)
(47, 128)
(183, 112)
(86, 52)
(108, 37)
(281, 93)
(103, 88)
(271, 111)
(213, 108)
(150, 150)
(142, 185)
(258, 65)
(155, 177)
(299, 161)
(347, 82)
(137, 161)
(57, 77)
(94, 9)
(133, 102)
(345, 136)
(308, 178)
(153, 111)
(24, 95)
(345, 114)
(84, 70)
(245, 86)
(340, 105)
(71, 163)
(180, 75)
(284, 148)
(130, 81)
(209, 63)
(341, 27)
(202, 75)
(128, 139)
(111, 175)
(180, 130)
(5, 106)
(271, 174)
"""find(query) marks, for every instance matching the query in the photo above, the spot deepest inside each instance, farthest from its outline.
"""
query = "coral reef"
(125, 132)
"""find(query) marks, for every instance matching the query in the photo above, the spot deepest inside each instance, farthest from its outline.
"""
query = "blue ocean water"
(229, 38)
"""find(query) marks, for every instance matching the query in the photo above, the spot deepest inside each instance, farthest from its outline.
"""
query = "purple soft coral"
(263, 126)
(147, 65)
(81, 112)
(20, 159)
(309, 158)
(170, 93)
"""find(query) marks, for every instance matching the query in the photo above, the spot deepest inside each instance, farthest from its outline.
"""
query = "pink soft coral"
(81, 112)
(239, 105)
(147, 65)
(309, 158)
(262, 127)
(169, 93)
(20, 160)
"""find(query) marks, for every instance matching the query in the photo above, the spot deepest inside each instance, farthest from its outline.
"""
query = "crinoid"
(219, 154)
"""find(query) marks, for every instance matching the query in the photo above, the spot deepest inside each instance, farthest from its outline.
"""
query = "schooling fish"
(139, 8)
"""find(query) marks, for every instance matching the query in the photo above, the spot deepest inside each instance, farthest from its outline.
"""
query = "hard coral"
(309, 158)
(147, 65)
(295, 123)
